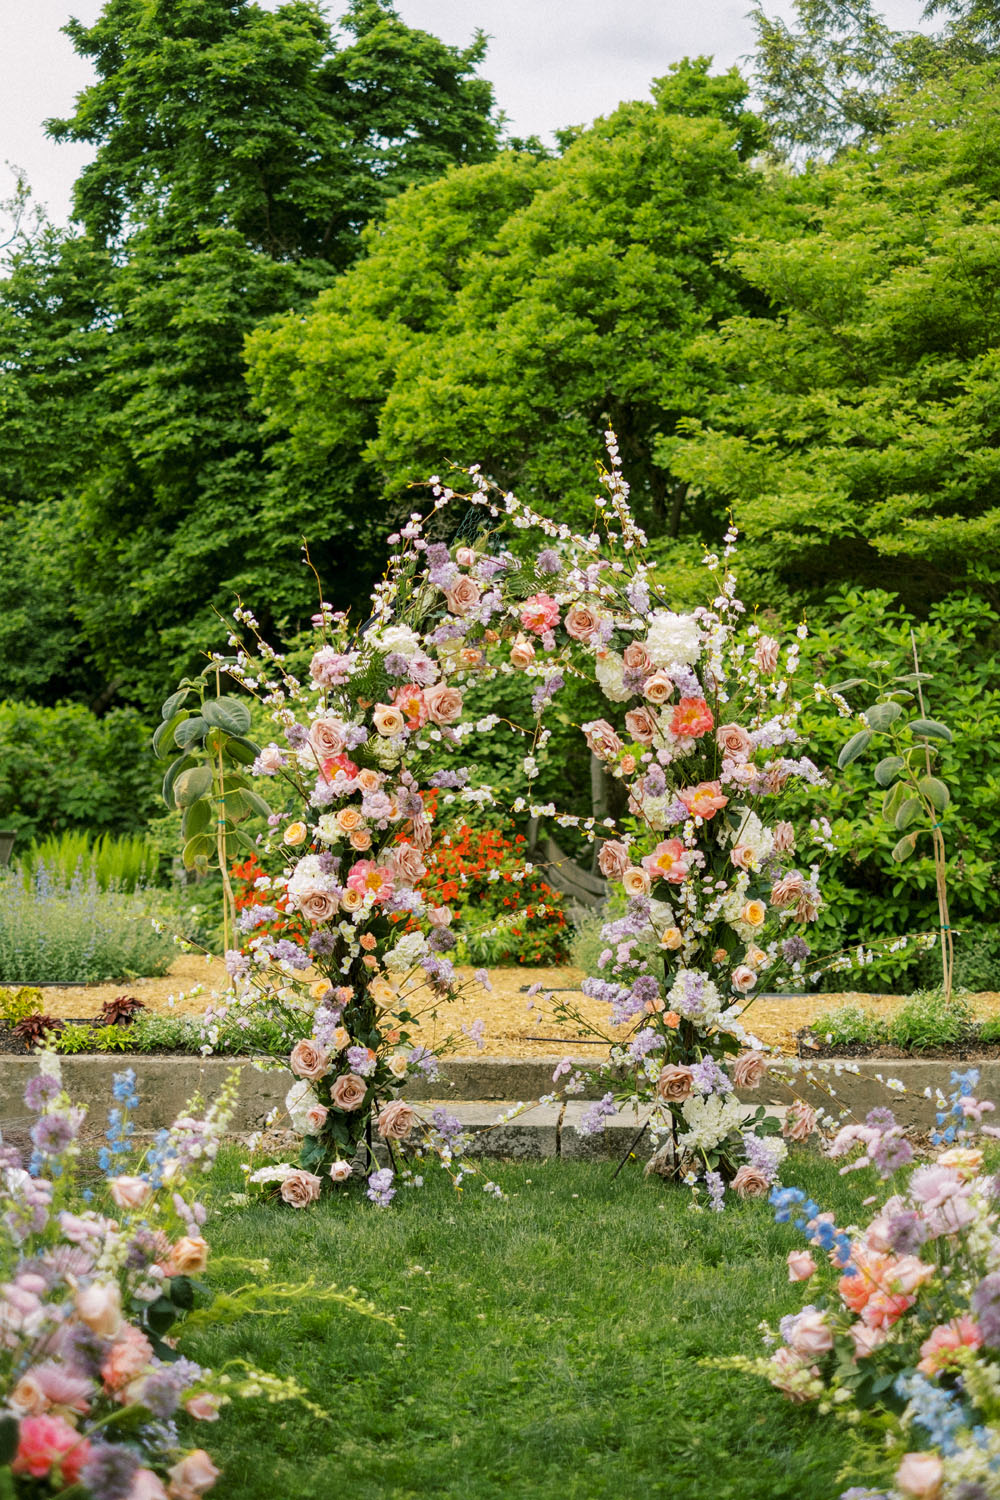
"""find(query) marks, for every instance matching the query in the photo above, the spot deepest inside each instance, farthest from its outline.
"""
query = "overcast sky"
(553, 62)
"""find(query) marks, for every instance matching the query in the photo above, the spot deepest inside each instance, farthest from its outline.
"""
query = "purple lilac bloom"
(449, 781)
(355, 735)
(360, 1061)
(82, 1349)
(547, 561)
(237, 963)
(162, 1391)
(380, 1188)
(453, 630)
(906, 1232)
(256, 916)
(643, 1043)
(425, 1062)
(444, 577)
(709, 1078)
(109, 1471)
(637, 594)
(323, 793)
(546, 691)
(296, 736)
(489, 567)
(290, 953)
(760, 1154)
(39, 1090)
(861, 1492)
(716, 1191)
(795, 950)
(328, 863)
(594, 1118)
(985, 1301)
(448, 1127)
(654, 783)
(52, 1134)
(440, 970)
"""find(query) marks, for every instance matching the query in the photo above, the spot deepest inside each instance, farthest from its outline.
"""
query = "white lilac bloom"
(709, 1118)
(276, 1173)
(672, 638)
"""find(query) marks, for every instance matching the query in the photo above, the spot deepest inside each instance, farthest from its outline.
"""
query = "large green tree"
(508, 313)
(857, 430)
(238, 153)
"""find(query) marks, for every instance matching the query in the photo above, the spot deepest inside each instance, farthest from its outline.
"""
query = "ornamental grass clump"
(71, 931)
(901, 1334)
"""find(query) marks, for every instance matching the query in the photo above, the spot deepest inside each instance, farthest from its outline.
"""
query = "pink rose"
(636, 658)
(800, 1265)
(742, 857)
(130, 1192)
(750, 1182)
(204, 1407)
(784, 837)
(800, 1122)
(408, 865)
(440, 916)
(300, 1188)
(316, 1119)
(128, 1356)
(348, 1093)
(465, 557)
(602, 739)
(522, 654)
(613, 861)
(309, 1061)
(810, 1335)
(766, 653)
(319, 906)
(146, 1486)
(674, 1083)
(326, 736)
(905, 1275)
(581, 622)
(641, 724)
(43, 1442)
(463, 596)
(100, 1307)
(396, 1121)
(195, 1474)
(920, 1475)
(866, 1340)
(938, 1350)
(748, 1070)
(743, 979)
(540, 614)
(733, 740)
(340, 1171)
(443, 703)
(657, 688)
(787, 889)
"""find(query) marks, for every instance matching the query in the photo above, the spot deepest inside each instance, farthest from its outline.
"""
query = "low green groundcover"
(550, 1344)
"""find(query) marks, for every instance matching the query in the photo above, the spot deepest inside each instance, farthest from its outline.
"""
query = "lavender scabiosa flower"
(397, 665)
(795, 950)
(39, 1090)
(52, 1134)
(906, 1232)
(322, 944)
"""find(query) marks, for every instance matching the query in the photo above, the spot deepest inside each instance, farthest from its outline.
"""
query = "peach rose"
(674, 1083)
(866, 1340)
(189, 1256)
(539, 614)
(748, 1070)
(440, 916)
(733, 740)
(965, 1160)
(465, 557)
(703, 800)
(146, 1486)
(295, 833)
(27, 1398)
(192, 1477)
(657, 688)
(522, 653)
(672, 938)
(348, 819)
(388, 720)
(602, 739)
(635, 881)
(641, 725)
(396, 1121)
(100, 1307)
(920, 1475)
(130, 1192)
(636, 657)
(309, 1061)
(463, 596)
(743, 857)
(671, 1019)
(938, 1350)
(784, 837)
(300, 1188)
(750, 1182)
(360, 840)
(326, 736)
(754, 914)
(318, 906)
(800, 1265)
(581, 622)
(444, 703)
(341, 1037)
(128, 1356)
(766, 653)
(612, 860)
(348, 1093)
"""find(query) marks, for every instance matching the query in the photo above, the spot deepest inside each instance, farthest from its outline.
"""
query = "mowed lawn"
(550, 1344)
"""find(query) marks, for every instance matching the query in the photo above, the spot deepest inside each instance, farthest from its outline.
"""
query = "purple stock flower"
(716, 1191)
(643, 1043)
(795, 950)
(547, 561)
(709, 1078)
(360, 1061)
(448, 1127)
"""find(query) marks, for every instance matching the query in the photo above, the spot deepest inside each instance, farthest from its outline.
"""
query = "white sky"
(553, 62)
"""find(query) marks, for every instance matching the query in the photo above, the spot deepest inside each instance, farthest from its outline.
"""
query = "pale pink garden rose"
(340, 1171)
(800, 1122)
(540, 614)
(128, 1356)
(271, 759)
(806, 908)
(602, 739)
(316, 1119)
(189, 1256)
(319, 906)
(787, 890)
(743, 857)
(440, 916)
(866, 1340)
(784, 837)
(795, 1376)
(522, 654)
(146, 1486)
(800, 1265)
(388, 720)
(326, 736)
(444, 703)
(965, 1160)
(100, 1307)
(641, 725)
(906, 1275)
(938, 1350)
(130, 1192)
(407, 864)
(300, 1188)
(309, 1061)
(421, 834)
(636, 881)
(920, 1475)
(750, 1182)
(766, 654)
(733, 740)
(613, 861)
(748, 1070)
(463, 597)
(811, 1335)
(348, 1093)
(192, 1477)
(396, 1121)
(62, 1386)
(399, 1065)
(636, 658)
(743, 979)
(674, 1083)
(465, 557)
(204, 1407)
(581, 622)
(350, 900)
(657, 688)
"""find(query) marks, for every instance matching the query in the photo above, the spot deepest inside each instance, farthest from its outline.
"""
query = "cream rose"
(396, 1121)
(348, 819)
(388, 720)
(100, 1307)
(130, 1192)
(351, 900)
(399, 1065)
(674, 1083)
(348, 1093)
(295, 833)
(369, 780)
(360, 840)
(612, 861)
(672, 938)
(340, 1171)
(522, 654)
(754, 913)
(658, 688)
(300, 1188)
(443, 703)
(636, 881)
(309, 1061)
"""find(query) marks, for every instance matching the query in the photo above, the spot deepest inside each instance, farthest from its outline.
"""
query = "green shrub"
(61, 932)
(117, 863)
(65, 768)
(926, 1020)
(989, 1031)
(977, 958)
(848, 1025)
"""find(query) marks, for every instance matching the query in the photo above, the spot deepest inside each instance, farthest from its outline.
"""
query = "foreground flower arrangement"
(97, 1285)
(901, 1336)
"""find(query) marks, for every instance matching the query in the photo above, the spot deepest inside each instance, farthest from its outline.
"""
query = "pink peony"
(667, 861)
(540, 614)
(366, 877)
(62, 1386)
(703, 800)
(691, 719)
(44, 1443)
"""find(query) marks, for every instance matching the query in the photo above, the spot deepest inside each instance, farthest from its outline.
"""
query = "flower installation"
(98, 1285)
(714, 886)
(901, 1335)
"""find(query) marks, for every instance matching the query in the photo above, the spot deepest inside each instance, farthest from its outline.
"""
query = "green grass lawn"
(550, 1345)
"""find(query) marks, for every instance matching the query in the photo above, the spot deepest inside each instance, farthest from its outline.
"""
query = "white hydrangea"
(751, 832)
(691, 985)
(309, 878)
(672, 638)
(408, 952)
(277, 1173)
(610, 670)
(299, 1100)
(327, 829)
(397, 639)
(709, 1118)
